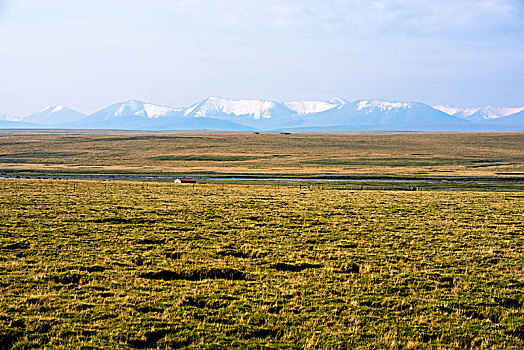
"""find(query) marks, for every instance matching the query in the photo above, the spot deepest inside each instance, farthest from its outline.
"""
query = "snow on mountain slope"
(217, 106)
(384, 106)
(507, 111)
(388, 113)
(124, 115)
(134, 109)
(272, 115)
(479, 113)
(309, 107)
(215, 113)
(54, 115)
(451, 110)
(264, 115)
(373, 113)
(137, 115)
(494, 112)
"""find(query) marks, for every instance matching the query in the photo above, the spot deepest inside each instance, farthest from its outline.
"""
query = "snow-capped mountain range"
(216, 113)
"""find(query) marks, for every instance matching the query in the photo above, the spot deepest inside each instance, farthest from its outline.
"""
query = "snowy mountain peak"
(491, 112)
(338, 101)
(479, 113)
(217, 106)
(52, 109)
(448, 109)
(141, 109)
(54, 115)
(130, 107)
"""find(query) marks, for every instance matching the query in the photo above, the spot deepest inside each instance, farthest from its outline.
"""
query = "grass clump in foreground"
(152, 265)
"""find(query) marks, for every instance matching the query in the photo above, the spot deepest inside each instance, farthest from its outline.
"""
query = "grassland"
(93, 264)
(480, 155)
(136, 264)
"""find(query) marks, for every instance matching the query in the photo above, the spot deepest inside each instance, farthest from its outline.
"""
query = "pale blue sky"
(87, 54)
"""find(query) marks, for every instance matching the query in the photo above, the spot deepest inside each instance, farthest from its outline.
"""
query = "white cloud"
(412, 17)
(303, 17)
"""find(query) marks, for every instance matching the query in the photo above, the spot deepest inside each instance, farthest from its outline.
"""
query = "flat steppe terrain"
(148, 264)
(413, 154)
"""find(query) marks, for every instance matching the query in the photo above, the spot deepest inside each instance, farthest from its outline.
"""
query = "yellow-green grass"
(128, 264)
(496, 154)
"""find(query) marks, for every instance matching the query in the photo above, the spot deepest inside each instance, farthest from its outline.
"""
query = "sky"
(87, 54)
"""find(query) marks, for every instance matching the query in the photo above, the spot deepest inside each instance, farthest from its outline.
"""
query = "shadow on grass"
(196, 275)
(294, 268)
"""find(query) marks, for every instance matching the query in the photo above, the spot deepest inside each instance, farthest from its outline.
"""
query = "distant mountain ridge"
(480, 113)
(54, 115)
(136, 109)
(217, 113)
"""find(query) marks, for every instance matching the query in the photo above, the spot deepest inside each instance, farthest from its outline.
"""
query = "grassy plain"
(116, 264)
(499, 155)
